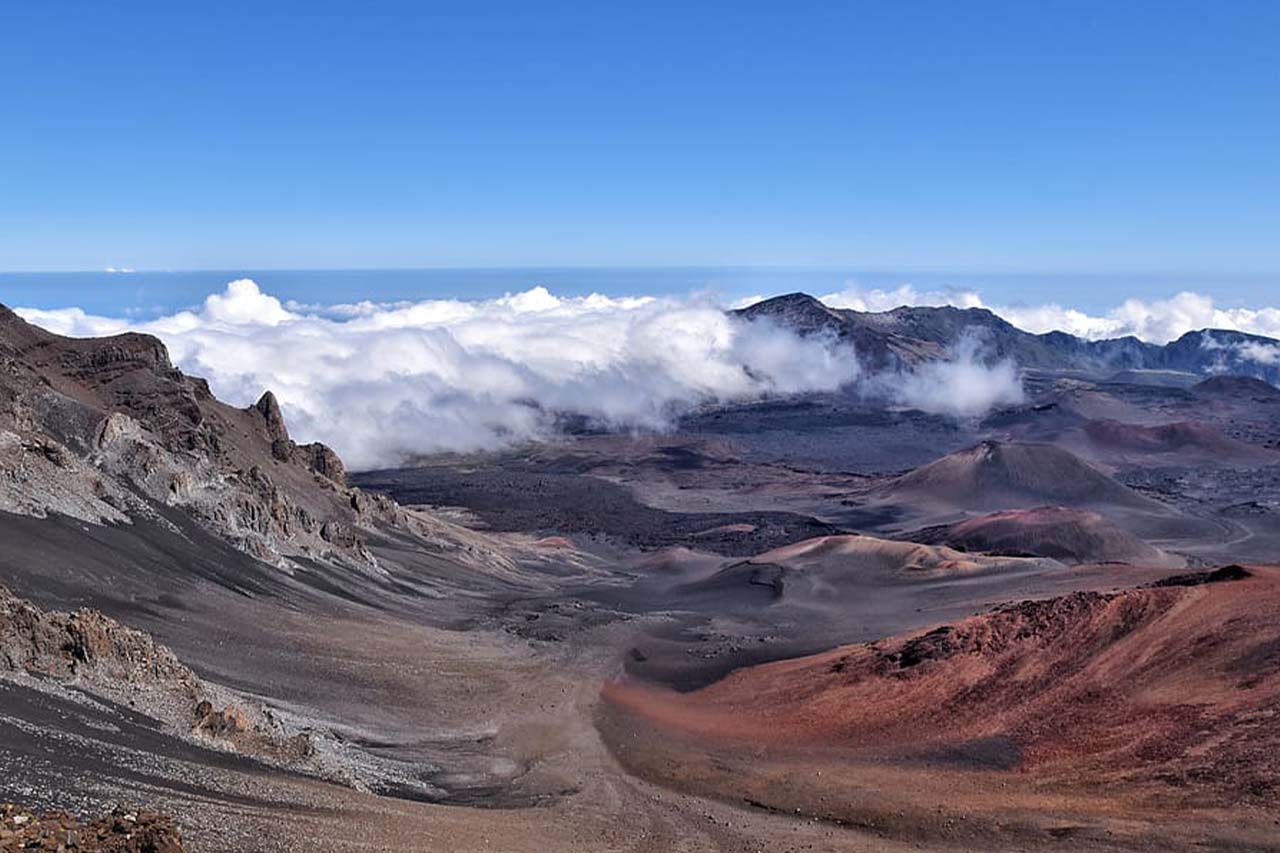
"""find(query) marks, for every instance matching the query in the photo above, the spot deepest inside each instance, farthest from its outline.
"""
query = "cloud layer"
(380, 382)
(962, 386)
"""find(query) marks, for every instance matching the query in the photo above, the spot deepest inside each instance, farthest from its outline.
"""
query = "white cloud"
(960, 386)
(381, 382)
(244, 304)
(1259, 352)
(1158, 321)
(73, 322)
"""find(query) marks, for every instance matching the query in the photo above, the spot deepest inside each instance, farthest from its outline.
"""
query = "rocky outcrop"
(87, 645)
(323, 461)
(99, 654)
(105, 429)
(272, 417)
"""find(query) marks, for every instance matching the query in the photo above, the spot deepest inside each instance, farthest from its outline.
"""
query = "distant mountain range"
(907, 336)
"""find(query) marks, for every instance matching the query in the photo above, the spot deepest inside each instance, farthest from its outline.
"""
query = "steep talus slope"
(126, 487)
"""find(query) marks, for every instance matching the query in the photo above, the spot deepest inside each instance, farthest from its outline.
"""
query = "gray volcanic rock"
(104, 429)
(98, 654)
(274, 418)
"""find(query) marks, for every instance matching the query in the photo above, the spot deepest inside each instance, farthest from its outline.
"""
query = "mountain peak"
(799, 312)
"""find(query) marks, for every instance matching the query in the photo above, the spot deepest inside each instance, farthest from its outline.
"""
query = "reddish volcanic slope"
(1069, 535)
(1189, 441)
(1004, 475)
(1169, 691)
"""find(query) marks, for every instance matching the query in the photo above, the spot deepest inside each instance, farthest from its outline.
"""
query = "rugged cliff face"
(106, 429)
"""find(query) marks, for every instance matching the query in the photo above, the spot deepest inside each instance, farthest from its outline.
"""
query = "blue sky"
(1066, 137)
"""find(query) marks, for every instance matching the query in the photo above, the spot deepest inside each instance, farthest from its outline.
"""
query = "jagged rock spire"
(269, 408)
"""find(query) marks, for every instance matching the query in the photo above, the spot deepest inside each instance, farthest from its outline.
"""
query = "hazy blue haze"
(149, 294)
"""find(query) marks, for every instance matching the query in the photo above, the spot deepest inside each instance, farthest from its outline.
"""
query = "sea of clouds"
(379, 383)
(382, 382)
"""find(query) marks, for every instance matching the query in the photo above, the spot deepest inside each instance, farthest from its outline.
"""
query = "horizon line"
(848, 268)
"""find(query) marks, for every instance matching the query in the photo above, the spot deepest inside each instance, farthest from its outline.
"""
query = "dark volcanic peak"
(876, 347)
(798, 311)
(129, 373)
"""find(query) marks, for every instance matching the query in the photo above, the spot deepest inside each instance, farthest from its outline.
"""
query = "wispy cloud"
(963, 385)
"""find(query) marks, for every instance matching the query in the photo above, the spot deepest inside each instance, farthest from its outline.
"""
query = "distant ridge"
(908, 335)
